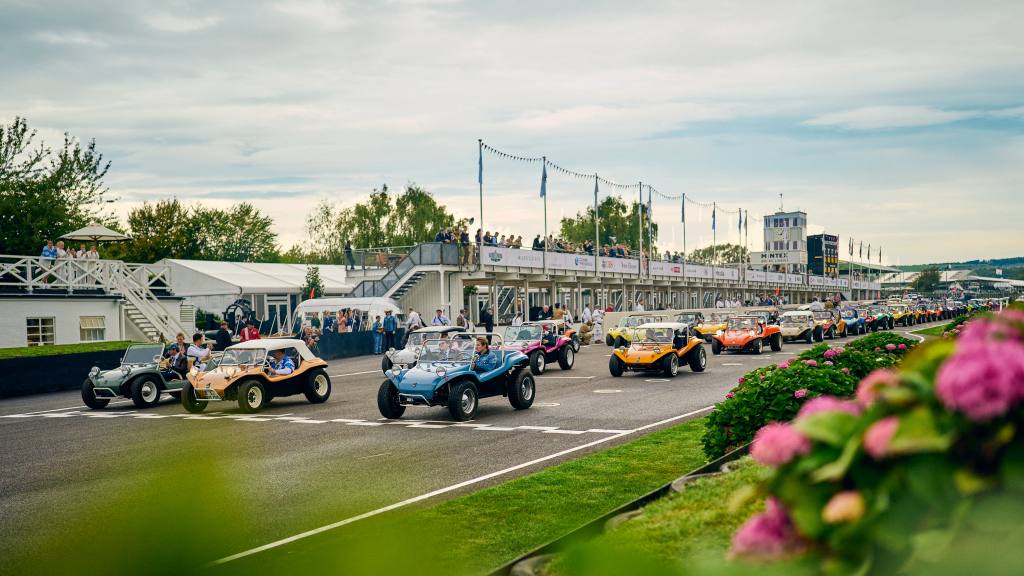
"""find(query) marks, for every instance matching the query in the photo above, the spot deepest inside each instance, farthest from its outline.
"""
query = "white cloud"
(882, 117)
(177, 24)
(69, 38)
(320, 13)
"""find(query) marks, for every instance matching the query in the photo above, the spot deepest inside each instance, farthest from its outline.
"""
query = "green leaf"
(832, 427)
(931, 545)
(835, 470)
(918, 432)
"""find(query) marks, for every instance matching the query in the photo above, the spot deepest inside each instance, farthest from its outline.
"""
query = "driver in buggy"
(486, 360)
(281, 365)
(682, 336)
(549, 338)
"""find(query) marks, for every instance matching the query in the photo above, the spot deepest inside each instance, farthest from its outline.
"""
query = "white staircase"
(142, 308)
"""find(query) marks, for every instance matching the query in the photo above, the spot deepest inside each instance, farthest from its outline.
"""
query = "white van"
(367, 308)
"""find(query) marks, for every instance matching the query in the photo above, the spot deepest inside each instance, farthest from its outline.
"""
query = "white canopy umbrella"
(95, 233)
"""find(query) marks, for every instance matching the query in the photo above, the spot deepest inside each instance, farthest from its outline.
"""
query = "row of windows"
(784, 245)
(784, 222)
(42, 332)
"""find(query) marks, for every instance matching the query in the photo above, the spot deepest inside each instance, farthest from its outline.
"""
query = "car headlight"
(440, 371)
(657, 350)
(126, 369)
(94, 371)
(396, 372)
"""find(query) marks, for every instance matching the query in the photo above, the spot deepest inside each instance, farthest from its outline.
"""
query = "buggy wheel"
(818, 335)
(318, 387)
(809, 337)
(145, 392)
(671, 364)
(776, 342)
(252, 396)
(538, 362)
(89, 396)
(189, 400)
(615, 366)
(385, 363)
(463, 401)
(566, 358)
(758, 346)
(609, 340)
(524, 389)
(387, 401)
(575, 342)
(716, 347)
(698, 359)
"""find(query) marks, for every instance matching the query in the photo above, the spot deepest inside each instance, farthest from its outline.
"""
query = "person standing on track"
(390, 326)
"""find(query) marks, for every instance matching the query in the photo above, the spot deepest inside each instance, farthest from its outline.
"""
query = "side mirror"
(157, 358)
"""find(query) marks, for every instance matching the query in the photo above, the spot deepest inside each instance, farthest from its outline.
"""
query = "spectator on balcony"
(538, 244)
(349, 259)
(390, 326)
(467, 251)
(49, 252)
(61, 252)
(440, 236)
(440, 319)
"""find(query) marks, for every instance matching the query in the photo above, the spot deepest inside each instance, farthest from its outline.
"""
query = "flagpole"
(544, 185)
(597, 230)
(714, 233)
(684, 234)
(480, 182)
(640, 230)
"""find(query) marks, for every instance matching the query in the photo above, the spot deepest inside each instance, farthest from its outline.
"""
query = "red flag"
(776, 290)
(311, 293)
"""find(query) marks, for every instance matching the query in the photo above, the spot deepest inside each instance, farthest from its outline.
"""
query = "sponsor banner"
(667, 269)
(579, 262)
(757, 276)
(777, 277)
(727, 274)
(815, 281)
(794, 279)
(620, 265)
(497, 256)
(778, 257)
(844, 283)
(698, 271)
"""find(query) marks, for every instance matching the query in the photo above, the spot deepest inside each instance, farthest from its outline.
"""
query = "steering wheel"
(472, 361)
(266, 366)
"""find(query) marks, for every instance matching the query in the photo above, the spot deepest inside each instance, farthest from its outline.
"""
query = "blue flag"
(683, 220)
(713, 210)
(480, 168)
(739, 223)
(544, 181)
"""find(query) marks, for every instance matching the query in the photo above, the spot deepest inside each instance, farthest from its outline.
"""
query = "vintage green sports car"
(139, 378)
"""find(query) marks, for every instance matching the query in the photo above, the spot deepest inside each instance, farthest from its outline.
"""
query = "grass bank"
(933, 331)
(38, 351)
(476, 533)
(674, 534)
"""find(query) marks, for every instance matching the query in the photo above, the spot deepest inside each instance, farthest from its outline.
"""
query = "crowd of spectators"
(56, 251)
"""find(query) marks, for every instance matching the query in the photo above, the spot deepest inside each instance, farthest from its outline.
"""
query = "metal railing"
(428, 254)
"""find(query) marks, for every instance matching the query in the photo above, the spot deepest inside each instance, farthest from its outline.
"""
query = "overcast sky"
(897, 123)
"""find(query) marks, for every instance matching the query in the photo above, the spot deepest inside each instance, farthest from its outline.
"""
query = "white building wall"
(65, 312)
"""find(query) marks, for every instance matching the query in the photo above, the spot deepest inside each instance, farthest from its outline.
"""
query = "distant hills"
(1014, 262)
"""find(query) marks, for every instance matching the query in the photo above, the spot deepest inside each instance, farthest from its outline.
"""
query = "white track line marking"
(56, 410)
(567, 377)
(537, 427)
(495, 428)
(606, 391)
(373, 456)
(733, 364)
(357, 373)
(448, 489)
(571, 432)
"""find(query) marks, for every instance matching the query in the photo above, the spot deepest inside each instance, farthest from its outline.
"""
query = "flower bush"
(927, 461)
(769, 394)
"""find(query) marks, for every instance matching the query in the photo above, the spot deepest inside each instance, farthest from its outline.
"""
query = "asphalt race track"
(317, 465)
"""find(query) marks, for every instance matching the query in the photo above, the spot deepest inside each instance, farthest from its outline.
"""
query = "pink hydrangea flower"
(840, 351)
(782, 365)
(982, 332)
(867, 390)
(801, 393)
(902, 346)
(957, 331)
(741, 380)
(877, 349)
(878, 436)
(983, 382)
(945, 334)
(890, 347)
(776, 444)
(845, 370)
(829, 354)
(811, 363)
(769, 535)
(828, 404)
(844, 507)
(729, 395)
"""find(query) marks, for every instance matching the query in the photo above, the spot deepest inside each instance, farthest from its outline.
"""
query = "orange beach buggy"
(747, 334)
(659, 347)
(244, 374)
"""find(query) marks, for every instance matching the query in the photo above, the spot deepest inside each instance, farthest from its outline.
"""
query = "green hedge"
(36, 351)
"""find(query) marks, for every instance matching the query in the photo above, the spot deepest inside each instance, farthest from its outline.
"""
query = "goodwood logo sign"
(494, 256)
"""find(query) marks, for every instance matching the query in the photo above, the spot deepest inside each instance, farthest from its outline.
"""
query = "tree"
(619, 224)
(169, 229)
(314, 287)
(720, 254)
(411, 217)
(926, 281)
(45, 193)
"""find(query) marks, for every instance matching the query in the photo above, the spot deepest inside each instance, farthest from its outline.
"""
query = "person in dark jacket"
(390, 326)
(487, 319)
(223, 337)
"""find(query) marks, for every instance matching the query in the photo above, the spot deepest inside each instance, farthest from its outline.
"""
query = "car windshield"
(653, 335)
(794, 318)
(743, 323)
(142, 354)
(823, 315)
(632, 321)
(687, 317)
(716, 318)
(457, 350)
(416, 338)
(524, 333)
(849, 313)
(243, 356)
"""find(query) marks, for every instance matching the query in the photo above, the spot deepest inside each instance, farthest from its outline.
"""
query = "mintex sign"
(778, 257)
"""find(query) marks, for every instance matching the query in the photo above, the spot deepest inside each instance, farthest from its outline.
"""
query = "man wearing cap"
(223, 337)
(177, 364)
(390, 326)
(250, 332)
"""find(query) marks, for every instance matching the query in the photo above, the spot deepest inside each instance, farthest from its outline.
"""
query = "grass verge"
(935, 331)
(673, 535)
(476, 533)
(37, 351)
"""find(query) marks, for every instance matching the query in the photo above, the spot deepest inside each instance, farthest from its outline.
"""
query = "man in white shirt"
(639, 307)
(440, 319)
(817, 306)
(199, 350)
(414, 322)
(588, 316)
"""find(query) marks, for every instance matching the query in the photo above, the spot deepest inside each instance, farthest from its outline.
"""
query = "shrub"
(774, 398)
(880, 340)
(858, 362)
(928, 466)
